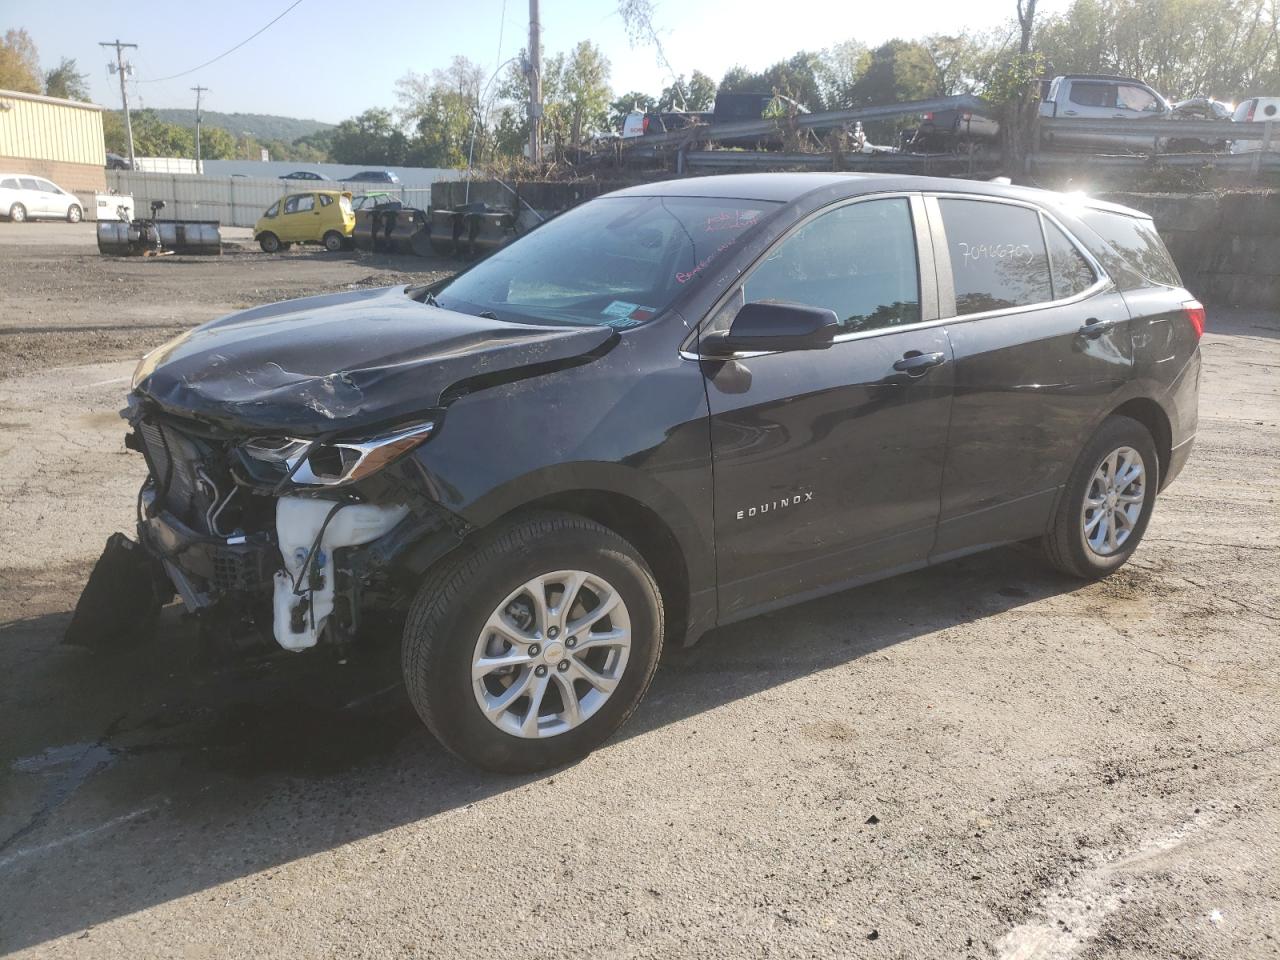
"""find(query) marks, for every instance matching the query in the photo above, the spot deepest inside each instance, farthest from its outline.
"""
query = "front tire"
(269, 243)
(1106, 504)
(532, 646)
(18, 213)
(74, 213)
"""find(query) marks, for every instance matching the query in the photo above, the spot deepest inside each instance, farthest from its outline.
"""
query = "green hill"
(261, 126)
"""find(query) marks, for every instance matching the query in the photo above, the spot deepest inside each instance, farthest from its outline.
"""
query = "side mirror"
(773, 325)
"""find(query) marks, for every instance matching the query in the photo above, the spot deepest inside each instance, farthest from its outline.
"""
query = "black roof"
(786, 187)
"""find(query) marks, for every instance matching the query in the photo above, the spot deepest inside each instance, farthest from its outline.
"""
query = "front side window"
(616, 261)
(858, 260)
(47, 186)
(273, 209)
(300, 203)
(1071, 272)
(1093, 94)
(1138, 99)
(997, 253)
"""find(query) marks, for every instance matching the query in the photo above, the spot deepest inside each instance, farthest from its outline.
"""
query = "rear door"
(828, 463)
(1042, 343)
(32, 197)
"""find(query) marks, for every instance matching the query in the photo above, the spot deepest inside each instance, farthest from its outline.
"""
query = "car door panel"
(828, 463)
(1030, 381)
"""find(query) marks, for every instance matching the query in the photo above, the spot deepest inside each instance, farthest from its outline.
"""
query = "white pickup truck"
(1093, 97)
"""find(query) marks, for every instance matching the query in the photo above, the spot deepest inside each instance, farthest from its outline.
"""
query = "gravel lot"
(979, 760)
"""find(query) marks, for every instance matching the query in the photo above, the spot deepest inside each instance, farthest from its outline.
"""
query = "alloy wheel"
(551, 654)
(1113, 503)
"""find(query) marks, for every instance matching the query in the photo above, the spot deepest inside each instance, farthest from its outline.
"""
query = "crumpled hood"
(328, 364)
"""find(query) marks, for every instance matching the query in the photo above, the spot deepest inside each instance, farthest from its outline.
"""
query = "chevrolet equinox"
(667, 409)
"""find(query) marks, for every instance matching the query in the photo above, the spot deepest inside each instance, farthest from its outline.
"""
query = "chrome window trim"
(924, 253)
(1102, 283)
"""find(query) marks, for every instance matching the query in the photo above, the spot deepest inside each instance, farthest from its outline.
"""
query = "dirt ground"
(979, 760)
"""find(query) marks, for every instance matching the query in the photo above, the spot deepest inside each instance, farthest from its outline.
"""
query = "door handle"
(917, 364)
(1094, 328)
(1068, 113)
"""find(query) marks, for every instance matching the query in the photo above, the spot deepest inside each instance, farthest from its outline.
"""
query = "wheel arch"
(1152, 416)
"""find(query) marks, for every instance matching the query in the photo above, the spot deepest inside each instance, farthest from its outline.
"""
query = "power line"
(225, 52)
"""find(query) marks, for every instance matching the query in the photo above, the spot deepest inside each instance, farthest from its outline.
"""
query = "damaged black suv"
(667, 409)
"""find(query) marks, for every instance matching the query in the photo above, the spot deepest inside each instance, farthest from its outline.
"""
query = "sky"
(331, 59)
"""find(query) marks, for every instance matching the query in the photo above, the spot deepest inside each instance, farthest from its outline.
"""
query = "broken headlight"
(333, 462)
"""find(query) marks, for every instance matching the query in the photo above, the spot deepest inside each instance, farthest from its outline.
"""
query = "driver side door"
(827, 463)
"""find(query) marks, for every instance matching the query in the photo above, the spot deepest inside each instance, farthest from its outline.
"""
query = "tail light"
(928, 116)
(644, 125)
(966, 116)
(1253, 105)
(1194, 310)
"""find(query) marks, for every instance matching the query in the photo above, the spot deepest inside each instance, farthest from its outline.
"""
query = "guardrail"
(827, 118)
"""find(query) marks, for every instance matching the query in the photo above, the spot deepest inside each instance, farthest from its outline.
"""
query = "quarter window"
(1071, 272)
(858, 260)
(997, 253)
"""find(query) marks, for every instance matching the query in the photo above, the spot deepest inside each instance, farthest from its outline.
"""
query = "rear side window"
(29, 183)
(858, 260)
(1132, 247)
(1071, 272)
(9, 183)
(325, 199)
(997, 253)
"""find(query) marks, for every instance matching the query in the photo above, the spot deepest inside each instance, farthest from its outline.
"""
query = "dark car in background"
(667, 409)
(303, 175)
(372, 176)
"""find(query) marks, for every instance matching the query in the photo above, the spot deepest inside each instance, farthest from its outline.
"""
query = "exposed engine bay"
(267, 530)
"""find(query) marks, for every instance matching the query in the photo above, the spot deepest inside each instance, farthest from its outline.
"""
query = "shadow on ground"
(134, 779)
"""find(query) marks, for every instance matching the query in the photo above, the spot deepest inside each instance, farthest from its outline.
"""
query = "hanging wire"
(225, 52)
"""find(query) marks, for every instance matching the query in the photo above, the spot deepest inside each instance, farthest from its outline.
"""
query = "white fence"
(234, 201)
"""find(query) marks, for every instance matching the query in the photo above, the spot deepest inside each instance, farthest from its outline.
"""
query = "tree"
(895, 71)
(840, 68)
(19, 63)
(575, 95)
(217, 144)
(798, 77)
(696, 93)
(443, 109)
(1225, 48)
(373, 137)
(67, 82)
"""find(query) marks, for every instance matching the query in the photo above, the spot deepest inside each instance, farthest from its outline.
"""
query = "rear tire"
(333, 241)
(74, 213)
(478, 607)
(269, 243)
(18, 213)
(1098, 522)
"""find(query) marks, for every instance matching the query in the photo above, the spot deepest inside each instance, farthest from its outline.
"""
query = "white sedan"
(29, 198)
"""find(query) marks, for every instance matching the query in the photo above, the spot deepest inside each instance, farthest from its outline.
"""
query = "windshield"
(615, 261)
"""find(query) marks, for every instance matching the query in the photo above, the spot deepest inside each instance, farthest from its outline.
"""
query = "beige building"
(53, 138)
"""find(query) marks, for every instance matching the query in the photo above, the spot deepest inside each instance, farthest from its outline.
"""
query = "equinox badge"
(792, 501)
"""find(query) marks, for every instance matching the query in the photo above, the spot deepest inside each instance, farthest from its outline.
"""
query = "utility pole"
(123, 68)
(535, 84)
(198, 90)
